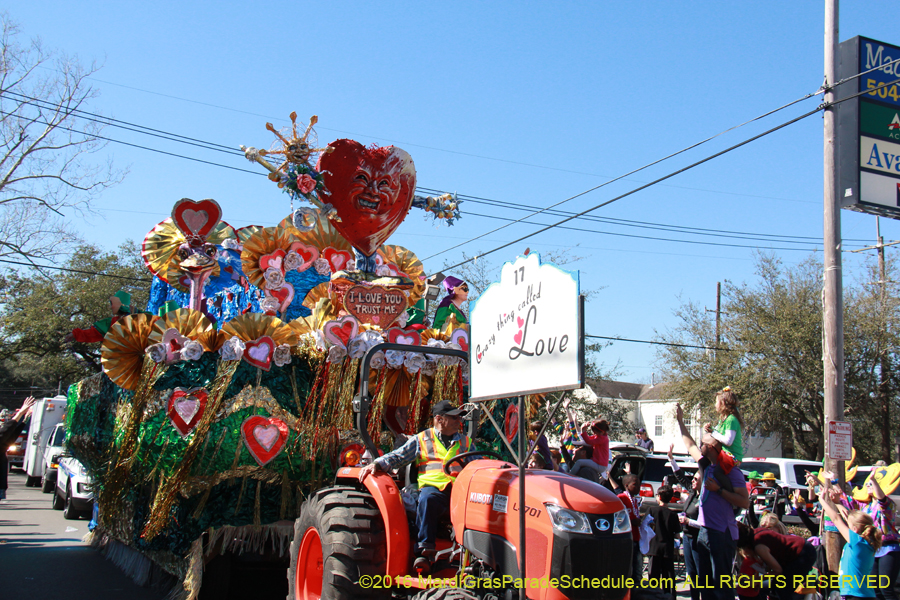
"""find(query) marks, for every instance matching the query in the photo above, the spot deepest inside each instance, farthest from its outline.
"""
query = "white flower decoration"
(430, 368)
(192, 351)
(336, 354)
(282, 355)
(402, 318)
(377, 361)
(384, 271)
(274, 278)
(394, 359)
(319, 337)
(233, 349)
(292, 261)
(232, 244)
(270, 304)
(322, 266)
(413, 362)
(157, 352)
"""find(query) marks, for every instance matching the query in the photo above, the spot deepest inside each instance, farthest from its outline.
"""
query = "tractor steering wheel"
(468, 454)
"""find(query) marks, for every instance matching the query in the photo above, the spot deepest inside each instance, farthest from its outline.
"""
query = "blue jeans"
(433, 504)
(888, 565)
(716, 551)
(691, 562)
(637, 562)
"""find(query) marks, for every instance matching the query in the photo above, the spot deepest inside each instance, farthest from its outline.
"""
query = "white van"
(47, 412)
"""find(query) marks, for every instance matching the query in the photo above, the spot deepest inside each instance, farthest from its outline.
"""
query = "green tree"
(38, 310)
(771, 354)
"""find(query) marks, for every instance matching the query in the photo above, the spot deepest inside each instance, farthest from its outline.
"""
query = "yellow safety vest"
(433, 455)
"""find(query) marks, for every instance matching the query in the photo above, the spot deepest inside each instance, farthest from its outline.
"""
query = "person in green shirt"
(457, 293)
(728, 429)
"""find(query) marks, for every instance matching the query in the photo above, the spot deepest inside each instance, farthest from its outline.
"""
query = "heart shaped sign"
(338, 259)
(276, 260)
(460, 337)
(375, 304)
(410, 337)
(264, 437)
(341, 331)
(186, 407)
(309, 254)
(259, 352)
(284, 295)
(196, 219)
(372, 190)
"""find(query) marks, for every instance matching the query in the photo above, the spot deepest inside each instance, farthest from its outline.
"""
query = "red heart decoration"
(341, 331)
(264, 437)
(338, 259)
(518, 337)
(410, 337)
(309, 254)
(276, 259)
(196, 219)
(259, 352)
(186, 407)
(284, 295)
(371, 188)
(460, 337)
(512, 422)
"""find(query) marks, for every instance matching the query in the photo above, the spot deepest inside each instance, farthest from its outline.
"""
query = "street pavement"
(42, 555)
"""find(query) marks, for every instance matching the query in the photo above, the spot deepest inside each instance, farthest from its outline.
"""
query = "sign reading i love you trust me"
(527, 332)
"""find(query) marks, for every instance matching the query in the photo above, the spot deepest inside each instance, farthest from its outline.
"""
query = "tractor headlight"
(568, 520)
(621, 522)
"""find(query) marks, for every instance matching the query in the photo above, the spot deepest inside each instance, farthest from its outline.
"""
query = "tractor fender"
(390, 504)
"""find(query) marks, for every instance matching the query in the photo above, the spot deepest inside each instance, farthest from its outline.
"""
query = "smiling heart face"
(259, 352)
(196, 219)
(372, 190)
(186, 407)
(264, 437)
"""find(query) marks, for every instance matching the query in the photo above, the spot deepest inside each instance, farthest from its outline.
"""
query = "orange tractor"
(354, 540)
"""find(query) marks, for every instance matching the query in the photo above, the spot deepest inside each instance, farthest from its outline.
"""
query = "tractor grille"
(595, 556)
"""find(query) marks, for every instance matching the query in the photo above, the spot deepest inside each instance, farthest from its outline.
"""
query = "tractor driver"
(430, 449)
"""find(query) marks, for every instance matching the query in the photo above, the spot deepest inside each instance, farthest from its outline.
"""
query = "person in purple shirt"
(717, 540)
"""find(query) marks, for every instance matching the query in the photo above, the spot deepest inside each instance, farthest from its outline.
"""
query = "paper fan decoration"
(122, 352)
(252, 326)
(266, 242)
(404, 263)
(320, 292)
(160, 246)
(433, 334)
(192, 324)
(244, 233)
(322, 236)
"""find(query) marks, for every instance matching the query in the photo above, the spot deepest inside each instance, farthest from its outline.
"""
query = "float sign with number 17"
(527, 332)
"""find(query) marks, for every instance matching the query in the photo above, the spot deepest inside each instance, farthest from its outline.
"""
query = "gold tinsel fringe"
(194, 577)
(377, 409)
(165, 498)
(257, 518)
(344, 418)
(415, 409)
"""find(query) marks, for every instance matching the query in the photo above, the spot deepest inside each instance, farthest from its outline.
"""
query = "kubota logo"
(481, 498)
(602, 524)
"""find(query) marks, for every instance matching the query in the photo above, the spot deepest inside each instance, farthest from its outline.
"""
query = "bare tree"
(49, 168)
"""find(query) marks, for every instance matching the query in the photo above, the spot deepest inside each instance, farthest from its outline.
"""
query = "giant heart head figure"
(372, 190)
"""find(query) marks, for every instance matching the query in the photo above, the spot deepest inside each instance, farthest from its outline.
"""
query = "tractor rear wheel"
(338, 539)
(445, 594)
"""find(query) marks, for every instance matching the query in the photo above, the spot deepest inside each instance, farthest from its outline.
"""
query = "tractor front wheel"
(338, 539)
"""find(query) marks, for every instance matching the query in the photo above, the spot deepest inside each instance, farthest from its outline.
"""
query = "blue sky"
(521, 102)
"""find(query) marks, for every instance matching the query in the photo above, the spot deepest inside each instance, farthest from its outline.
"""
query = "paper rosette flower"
(336, 354)
(413, 361)
(292, 261)
(274, 278)
(157, 353)
(377, 361)
(192, 351)
(322, 266)
(394, 358)
(282, 355)
(232, 349)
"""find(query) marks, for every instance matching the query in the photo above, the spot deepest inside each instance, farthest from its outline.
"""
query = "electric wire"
(621, 339)
(99, 273)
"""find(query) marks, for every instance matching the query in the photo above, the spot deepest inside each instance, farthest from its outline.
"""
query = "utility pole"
(885, 363)
(833, 318)
(718, 319)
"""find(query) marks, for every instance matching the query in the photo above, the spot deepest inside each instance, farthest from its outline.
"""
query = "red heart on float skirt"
(512, 422)
(259, 352)
(371, 189)
(341, 331)
(276, 259)
(309, 254)
(264, 437)
(196, 219)
(186, 407)
(409, 337)
(338, 259)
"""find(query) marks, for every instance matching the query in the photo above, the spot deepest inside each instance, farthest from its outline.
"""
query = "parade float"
(224, 404)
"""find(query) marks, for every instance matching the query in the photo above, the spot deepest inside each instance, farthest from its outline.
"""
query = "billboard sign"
(527, 332)
(868, 135)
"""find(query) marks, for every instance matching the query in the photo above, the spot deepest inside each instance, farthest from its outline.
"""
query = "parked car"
(45, 415)
(15, 454)
(74, 493)
(52, 454)
(790, 473)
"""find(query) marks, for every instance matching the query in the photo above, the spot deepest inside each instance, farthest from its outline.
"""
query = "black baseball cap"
(446, 408)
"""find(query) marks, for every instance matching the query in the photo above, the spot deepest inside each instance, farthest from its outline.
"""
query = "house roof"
(629, 391)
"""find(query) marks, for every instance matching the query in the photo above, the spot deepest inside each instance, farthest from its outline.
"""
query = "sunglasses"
(464, 287)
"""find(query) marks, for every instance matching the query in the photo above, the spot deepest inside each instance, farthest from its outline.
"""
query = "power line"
(621, 339)
(36, 266)
(654, 182)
